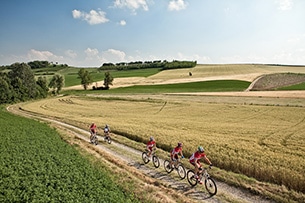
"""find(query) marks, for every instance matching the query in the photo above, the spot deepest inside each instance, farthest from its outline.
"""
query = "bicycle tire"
(109, 140)
(191, 178)
(95, 141)
(210, 186)
(181, 171)
(145, 157)
(156, 161)
(167, 166)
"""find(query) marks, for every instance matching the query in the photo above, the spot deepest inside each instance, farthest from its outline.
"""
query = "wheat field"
(262, 141)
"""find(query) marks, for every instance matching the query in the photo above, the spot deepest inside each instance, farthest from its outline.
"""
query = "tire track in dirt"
(225, 193)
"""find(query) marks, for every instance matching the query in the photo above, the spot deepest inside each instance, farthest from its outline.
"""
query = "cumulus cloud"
(112, 55)
(177, 5)
(284, 4)
(71, 54)
(131, 4)
(93, 17)
(43, 55)
(91, 53)
(122, 22)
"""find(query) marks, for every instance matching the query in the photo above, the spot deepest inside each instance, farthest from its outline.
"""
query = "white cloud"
(122, 22)
(113, 56)
(284, 4)
(76, 14)
(91, 53)
(71, 54)
(177, 5)
(131, 4)
(93, 17)
(43, 55)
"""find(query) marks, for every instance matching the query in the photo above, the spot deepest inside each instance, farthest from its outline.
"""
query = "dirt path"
(132, 157)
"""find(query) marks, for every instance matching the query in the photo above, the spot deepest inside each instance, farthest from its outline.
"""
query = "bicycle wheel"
(210, 185)
(181, 171)
(167, 166)
(95, 141)
(191, 178)
(156, 161)
(109, 140)
(145, 157)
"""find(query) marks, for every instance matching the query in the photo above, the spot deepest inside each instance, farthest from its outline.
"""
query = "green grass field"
(207, 86)
(37, 166)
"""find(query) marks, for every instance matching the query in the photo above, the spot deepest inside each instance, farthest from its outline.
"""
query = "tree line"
(164, 65)
(19, 84)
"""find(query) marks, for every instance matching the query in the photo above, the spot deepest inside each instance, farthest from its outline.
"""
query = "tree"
(108, 80)
(42, 87)
(23, 81)
(85, 77)
(57, 82)
(6, 90)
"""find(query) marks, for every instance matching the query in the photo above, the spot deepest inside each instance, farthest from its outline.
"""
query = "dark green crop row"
(37, 166)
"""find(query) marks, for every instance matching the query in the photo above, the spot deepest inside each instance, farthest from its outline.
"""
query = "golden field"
(262, 141)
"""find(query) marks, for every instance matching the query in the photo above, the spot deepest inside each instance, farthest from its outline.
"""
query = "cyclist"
(150, 145)
(195, 161)
(92, 131)
(107, 131)
(174, 154)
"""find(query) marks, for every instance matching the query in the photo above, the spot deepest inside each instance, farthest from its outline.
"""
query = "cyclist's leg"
(176, 158)
(197, 166)
(91, 135)
(149, 151)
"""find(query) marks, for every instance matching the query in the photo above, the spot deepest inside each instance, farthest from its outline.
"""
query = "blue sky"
(88, 33)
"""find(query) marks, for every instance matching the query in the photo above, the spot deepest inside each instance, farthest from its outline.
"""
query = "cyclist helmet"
(106, 126)
(179, 144)
(151, 138)
(200, 149)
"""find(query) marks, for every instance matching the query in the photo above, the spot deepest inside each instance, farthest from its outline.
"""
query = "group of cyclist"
(174, 154)
(93, 131)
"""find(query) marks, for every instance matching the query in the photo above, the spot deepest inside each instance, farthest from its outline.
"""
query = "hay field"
(261, 141)
(246, 72)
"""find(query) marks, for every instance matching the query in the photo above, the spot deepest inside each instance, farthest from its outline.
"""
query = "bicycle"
(179, 167)
(94, 139)
(209, 183)
(107, 138)
(155, 159)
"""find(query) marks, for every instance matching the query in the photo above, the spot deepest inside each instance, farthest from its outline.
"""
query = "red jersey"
(151, 144)
(176, 150)
(93, 127)
(197, 155)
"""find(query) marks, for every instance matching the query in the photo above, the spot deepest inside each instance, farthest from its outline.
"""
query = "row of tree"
(164, 65)
(19, 84)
